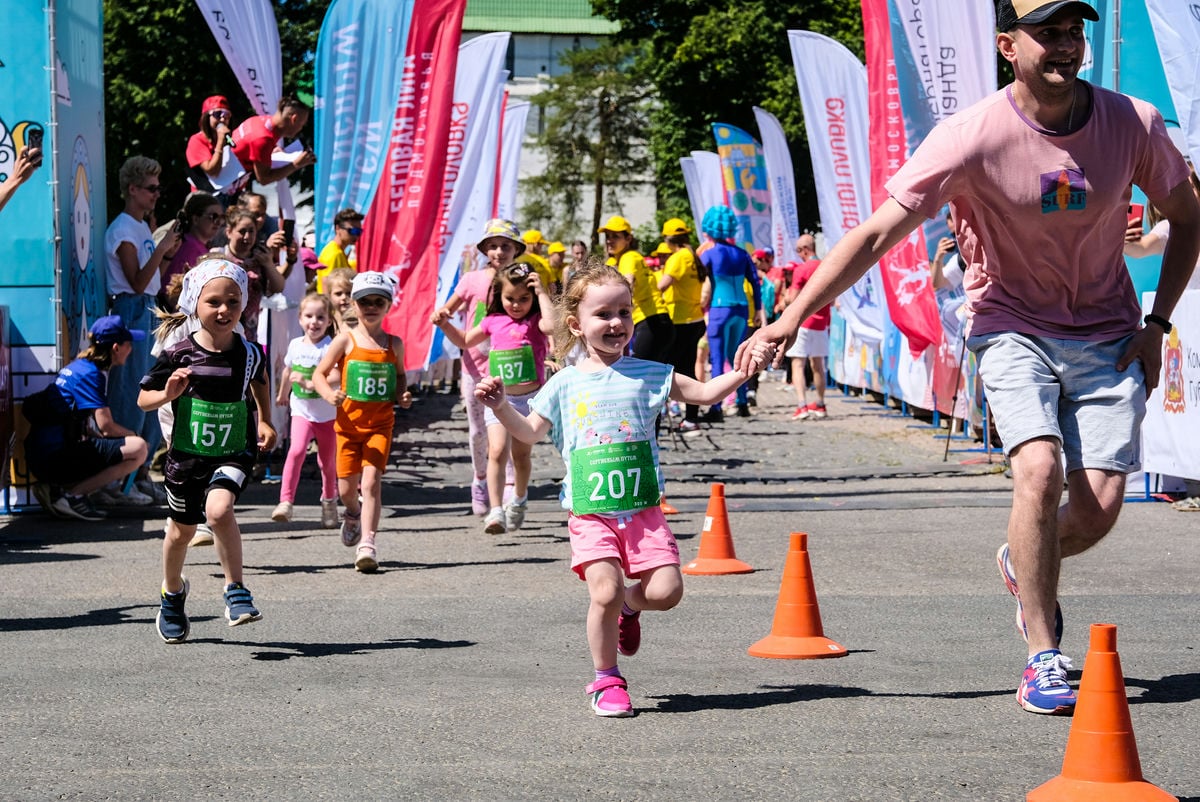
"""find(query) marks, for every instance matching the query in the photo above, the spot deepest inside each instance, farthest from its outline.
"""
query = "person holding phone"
(28, 160)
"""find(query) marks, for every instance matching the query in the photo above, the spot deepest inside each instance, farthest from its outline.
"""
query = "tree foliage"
(713, 62)
(160, 62)
(596, 115)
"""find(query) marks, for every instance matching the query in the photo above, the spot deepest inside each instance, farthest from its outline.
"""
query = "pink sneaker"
(610, 699)
(479, 498)
(629, 633)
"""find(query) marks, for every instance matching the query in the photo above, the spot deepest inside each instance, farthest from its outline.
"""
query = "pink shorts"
(644, 542)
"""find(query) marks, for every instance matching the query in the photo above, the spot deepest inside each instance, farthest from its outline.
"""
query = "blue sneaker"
(1044, 687)
(1010, 581)
(171, 621)
(239, 605)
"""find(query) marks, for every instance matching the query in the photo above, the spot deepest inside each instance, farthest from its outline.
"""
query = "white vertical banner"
(691, 182)
(1176, 26)
(833, 95)
(781, 179)
(1173, 409)
(516, 117)
(471, 159)
(248, 36)
(710, 186)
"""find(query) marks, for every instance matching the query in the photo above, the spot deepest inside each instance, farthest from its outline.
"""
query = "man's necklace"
(1071, 116)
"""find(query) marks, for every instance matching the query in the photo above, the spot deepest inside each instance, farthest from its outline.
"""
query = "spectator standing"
(347, 228)
(812, 339)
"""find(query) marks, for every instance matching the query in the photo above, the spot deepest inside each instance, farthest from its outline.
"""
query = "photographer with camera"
(28, 160)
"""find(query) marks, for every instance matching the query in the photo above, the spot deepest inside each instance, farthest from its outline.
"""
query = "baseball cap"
(110, 329)
(213, 103)
(674, 227)
(662, 250)
(372, 282)
(764, 253)
(1011, 13)
(616, 225)
(533, 237)
(556, 247)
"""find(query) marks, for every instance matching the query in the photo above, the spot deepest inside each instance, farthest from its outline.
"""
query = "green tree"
(713, 62)
(596, 115)
(160, 62)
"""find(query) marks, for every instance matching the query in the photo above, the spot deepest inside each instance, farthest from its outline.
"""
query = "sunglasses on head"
(517, 272)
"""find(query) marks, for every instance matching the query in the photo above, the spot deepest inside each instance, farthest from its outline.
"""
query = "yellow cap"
(675, 226)
(616, 225)
(556, 247)
(662, 250)
(533, 237)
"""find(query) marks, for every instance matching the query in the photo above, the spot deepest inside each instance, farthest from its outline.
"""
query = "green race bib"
(370, 381)
(513, 366)
(613, 477)
(299, 391)
(210, 428)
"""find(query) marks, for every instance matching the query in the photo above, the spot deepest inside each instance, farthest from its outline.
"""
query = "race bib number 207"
(613, 477)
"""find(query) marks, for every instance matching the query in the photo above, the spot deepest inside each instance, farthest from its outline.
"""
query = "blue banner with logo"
(744, 172)
(359, 64)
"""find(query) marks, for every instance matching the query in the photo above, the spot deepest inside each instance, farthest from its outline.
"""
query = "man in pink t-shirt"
(1038, 177)
(255, 139)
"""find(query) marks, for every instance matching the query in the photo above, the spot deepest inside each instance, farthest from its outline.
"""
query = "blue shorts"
(1070, 390)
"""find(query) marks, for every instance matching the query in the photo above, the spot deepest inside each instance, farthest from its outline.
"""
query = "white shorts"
(809, 342)
(519, 402)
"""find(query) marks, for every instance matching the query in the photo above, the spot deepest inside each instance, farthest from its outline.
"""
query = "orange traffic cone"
(1102, 762)
(716, 543)
(796, 631)
(666, 507)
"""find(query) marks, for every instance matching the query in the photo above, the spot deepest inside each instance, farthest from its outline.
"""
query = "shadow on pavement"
(1171, 689)
(106, 617)
(285, 650)
(790, 694)
(386, 565)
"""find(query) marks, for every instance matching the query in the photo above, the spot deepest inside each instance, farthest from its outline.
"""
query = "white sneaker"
(514, 515)
(329, 515)
(203, 536)
(493, 524)
(152, 489)
(282, 512)
(111, 496)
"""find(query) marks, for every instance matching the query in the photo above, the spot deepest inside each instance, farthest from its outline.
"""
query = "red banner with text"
(400, 232)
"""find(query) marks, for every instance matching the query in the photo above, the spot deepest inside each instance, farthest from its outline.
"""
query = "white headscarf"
(195, 279)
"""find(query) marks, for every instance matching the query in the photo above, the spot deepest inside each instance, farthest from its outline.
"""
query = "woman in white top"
(135, 267)
(1139, 244)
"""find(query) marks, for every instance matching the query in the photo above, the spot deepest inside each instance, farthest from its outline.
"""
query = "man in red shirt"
(812, 340)
(255, 139)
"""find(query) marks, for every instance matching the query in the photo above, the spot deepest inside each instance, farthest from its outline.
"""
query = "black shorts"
(75, 462)
(190, 479)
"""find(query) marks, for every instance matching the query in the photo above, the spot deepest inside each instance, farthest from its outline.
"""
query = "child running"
(208, 378)
(519, 317)
(501, 244)
(370, 366)
(600, 414)
(312, 416)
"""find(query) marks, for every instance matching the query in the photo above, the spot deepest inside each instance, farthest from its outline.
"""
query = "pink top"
(1042, 215)
(819, 320)
(186, 257)
(475, 288)
(507, 334)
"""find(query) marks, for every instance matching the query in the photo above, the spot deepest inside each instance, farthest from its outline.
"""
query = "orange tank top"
(369, 380)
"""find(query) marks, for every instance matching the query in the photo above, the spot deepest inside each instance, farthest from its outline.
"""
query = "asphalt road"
(457, 672)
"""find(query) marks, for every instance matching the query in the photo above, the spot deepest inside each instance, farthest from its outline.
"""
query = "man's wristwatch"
(1160, 321)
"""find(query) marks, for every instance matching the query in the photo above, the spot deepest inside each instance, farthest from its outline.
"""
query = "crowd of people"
(601, 352)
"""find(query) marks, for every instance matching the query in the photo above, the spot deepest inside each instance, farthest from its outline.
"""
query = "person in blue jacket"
(73, 441)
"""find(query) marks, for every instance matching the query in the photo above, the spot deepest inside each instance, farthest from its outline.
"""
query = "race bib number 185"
(370, 381)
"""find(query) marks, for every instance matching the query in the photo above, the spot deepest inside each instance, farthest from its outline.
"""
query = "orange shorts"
(362, 448)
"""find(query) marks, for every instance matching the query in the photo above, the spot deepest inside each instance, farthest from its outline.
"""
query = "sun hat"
(110, 329)
(506, 229)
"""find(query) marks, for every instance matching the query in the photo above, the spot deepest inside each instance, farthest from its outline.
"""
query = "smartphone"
(1136, 210)
(181, 222)
(289, 231)
(34, 135)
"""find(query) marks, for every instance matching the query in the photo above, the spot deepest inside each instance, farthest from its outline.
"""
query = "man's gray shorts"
(1070, 390)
